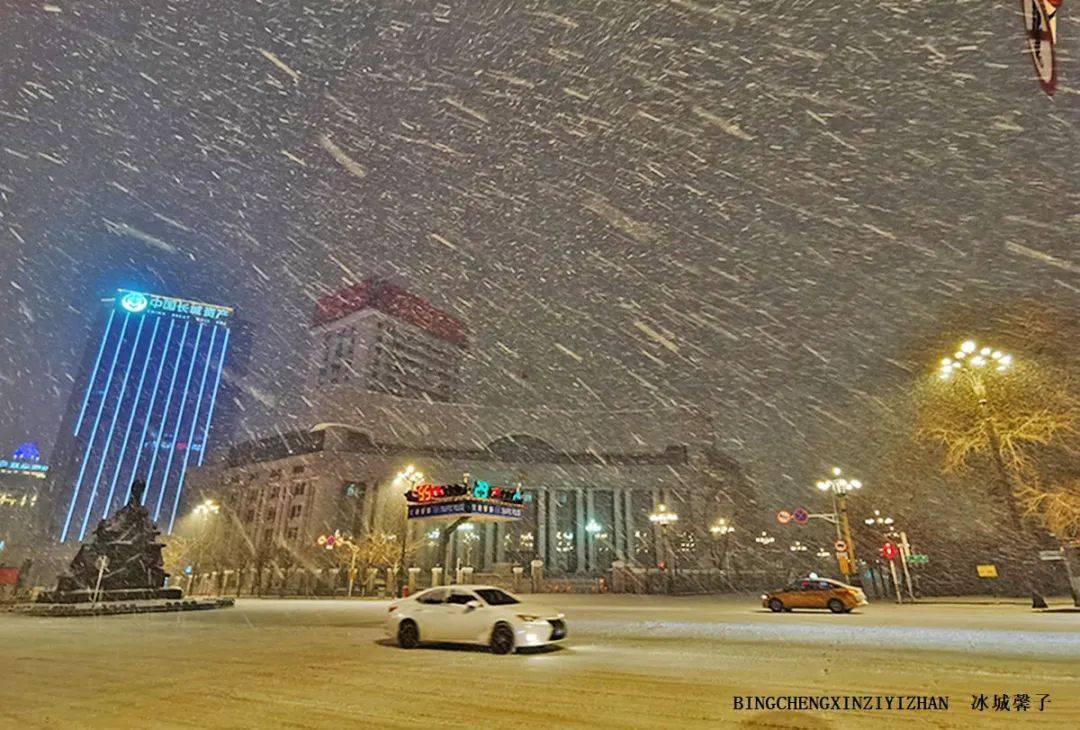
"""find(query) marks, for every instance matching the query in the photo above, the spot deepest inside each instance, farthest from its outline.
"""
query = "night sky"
(783, 211)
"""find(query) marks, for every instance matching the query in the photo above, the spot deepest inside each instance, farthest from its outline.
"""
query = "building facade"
(22, 479)
(377, 337)
(142, 407)
(591, 480)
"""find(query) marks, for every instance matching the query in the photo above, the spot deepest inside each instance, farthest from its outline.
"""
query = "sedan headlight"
(527, 618)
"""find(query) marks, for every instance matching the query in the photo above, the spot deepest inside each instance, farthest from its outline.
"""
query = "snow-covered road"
(631, 662)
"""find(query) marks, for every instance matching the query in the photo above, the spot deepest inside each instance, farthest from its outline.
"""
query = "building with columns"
(384, 378)
(591, 479)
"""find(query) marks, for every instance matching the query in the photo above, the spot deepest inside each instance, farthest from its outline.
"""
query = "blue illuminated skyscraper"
(142, 408)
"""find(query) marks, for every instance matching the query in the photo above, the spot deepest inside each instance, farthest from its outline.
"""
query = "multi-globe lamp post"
(840, 487)
(411, 476)
(663, 517)
(721, 531)
(973, 367)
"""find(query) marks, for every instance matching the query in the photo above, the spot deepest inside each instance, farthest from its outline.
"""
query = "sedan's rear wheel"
(408, 635)
(836, 605)
(776, 605)
(502, 639)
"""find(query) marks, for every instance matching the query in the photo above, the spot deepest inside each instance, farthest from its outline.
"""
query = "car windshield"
(495, 597)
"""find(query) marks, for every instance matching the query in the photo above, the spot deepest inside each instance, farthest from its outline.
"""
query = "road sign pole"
(905, 553)
(850, 543)
(895, 580)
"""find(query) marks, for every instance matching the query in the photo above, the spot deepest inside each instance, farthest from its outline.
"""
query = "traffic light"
(889, 551)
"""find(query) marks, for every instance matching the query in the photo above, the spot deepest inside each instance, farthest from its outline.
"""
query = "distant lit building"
(377, 337)
(22, 480)
(142, 407)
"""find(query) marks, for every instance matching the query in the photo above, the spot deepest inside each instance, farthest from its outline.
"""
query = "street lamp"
(972, 366)
(721, 527)
(208, 507)
(841, 487)
(764, 538)
(797, 547)
(878, 520)
(664, 517)
(412, 476)
(594, 527)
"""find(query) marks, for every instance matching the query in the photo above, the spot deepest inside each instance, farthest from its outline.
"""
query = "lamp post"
(841, 487)
(664, 517)
(410, 476)
(971, 367)
(720, 530)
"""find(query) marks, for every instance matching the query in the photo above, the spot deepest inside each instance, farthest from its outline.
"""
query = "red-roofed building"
(388, 340)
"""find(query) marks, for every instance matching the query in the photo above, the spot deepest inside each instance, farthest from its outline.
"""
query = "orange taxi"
(815, 593)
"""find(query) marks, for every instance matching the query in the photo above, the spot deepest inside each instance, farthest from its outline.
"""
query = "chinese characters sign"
(133, 302)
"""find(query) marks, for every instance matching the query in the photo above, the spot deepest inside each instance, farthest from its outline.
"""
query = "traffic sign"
(1051, 555)
(918, 559)
(841, 546)
(987, 571)
(889, 551)
(801, 516)
(783, 517)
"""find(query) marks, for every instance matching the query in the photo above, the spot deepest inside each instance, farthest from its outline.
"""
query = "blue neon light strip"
(93, 432)
(150, 410)
(112, 428)
(131, 417)
(191, 431)
(94, 372)
(116, 415)
(213, 396)
(179, 420)
(165, 413)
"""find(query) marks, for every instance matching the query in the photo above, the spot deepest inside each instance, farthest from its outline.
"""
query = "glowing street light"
(973, 361)
(594, 527)
(764, 539)
(840, 487)
(663, 517)
(208, 507)
(721, 527)
(797, 547)
(877, 519)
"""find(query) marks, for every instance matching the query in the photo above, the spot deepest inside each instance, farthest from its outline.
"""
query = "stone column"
(628, 524)
(579, 529)
(500, 542)
(658, 543)
(541, 524)
(618, 529)
(553, 561)
(590, 515)
(489, 546)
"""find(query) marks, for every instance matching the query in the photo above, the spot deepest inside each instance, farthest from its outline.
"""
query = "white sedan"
(467, 614)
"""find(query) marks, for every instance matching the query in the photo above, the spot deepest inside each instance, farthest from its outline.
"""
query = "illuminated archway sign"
(479, 501)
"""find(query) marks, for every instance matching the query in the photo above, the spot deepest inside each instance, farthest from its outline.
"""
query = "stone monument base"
(113, 596)
(125, 606)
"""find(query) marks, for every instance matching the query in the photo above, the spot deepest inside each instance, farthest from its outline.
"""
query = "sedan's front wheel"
(776, 605)
(408, 635)
(502, 639)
